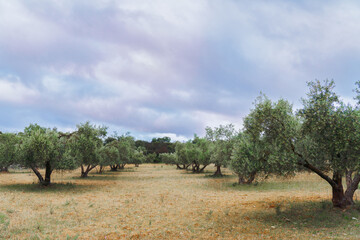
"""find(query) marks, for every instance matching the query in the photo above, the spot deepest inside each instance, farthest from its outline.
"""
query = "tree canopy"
(44, 148)
(86, 142)
(322, 137)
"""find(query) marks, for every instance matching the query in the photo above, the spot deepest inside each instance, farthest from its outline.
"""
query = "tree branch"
(318, 172)
(38, 174)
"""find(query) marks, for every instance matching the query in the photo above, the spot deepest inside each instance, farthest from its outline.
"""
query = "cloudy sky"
(172, 67)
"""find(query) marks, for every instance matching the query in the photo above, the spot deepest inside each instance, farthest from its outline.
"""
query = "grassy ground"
(160, 202)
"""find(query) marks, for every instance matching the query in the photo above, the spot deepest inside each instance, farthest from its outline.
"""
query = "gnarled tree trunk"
(352, 186)
(85, 172)
(340, 198)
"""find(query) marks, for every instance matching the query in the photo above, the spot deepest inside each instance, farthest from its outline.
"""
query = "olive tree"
(169, 158)
(334, 129)
(195, 153)
(222, 140)
(198, 152)
(8, 142)
(325, 142)
(246, 159)
(253, 155)
(86, 142)
(138, 157)
(109, 155)
(45, 148)
(126, 147)
(180, 157)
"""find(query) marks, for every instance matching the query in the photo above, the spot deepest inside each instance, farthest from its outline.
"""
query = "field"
(157, 201)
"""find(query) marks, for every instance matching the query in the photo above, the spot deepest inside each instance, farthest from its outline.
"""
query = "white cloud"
(181, 94)
(24, 32)
(174, 137)
(13, 91)
(213, 119)
(53, 84)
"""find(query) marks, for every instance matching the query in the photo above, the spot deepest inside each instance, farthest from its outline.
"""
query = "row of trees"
(197, 154)
(87, 147)
(322, 137)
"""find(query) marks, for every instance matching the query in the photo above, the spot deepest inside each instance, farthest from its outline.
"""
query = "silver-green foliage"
(168, 158)
(246, 159)
(44, 148)
(8, 143)
(86, 142)
(323, 137)
(138, 157)
(221, 140)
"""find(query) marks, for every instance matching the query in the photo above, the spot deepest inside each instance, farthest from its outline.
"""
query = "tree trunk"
(48, 172)
(183, 166)
(4, 169)
(113, 167)
(195, 168)
(202, 169)
(218, 171)
(38, 174)
(339, 198)
(84, 173)
(251, 178)
(101, 169)
(352, 186)
(121, 166)
(42, 181)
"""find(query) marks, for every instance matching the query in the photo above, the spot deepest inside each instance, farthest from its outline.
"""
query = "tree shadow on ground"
(36, 187)
(97, 177)
(278, 186)
(224, 176)
(190, 172)
(105, 173)
(16, 172)
(309, 215)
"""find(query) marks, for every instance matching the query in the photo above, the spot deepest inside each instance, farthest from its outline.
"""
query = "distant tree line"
(156, 147)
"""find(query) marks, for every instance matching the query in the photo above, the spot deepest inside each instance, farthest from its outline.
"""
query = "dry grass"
(159, 202)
